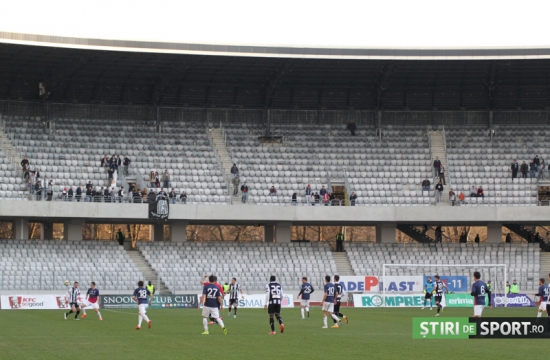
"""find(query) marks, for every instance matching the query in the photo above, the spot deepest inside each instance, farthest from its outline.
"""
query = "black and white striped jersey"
(234, 291)
(274, 293)
(438, 288)
(73, 295)
(340, 290)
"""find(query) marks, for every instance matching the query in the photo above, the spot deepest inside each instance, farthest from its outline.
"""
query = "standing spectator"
(107, 195)
(26, 171)
(273, 191)
(118, 162)
(480, 192)
(326, 198)
(244, 192)
(172, 196)
(442, 174)
(515, 168)
(166, 179)
(339, 242)
(24, 163)
(120, 237)
(438, 235)
(532, 169)
(541, 168)
(126, 163)
(352, 127)
(508, 238)
(438, 192)
(78, 195)
(49, 190)
(120, 194)
(236, 182)
(157, 180)
(104, 162)
(294, 198)
(89, 194)
(437, 165)
(452, 197)
(313, 200)
(308, 194)
(426, 185)
(476, 240)
(461, 197)
(322, 192)
(152, 179)
(463, 237)
(234, 171)
(332, 197)
(352, 198)
(30, 186)
(524, 169)
(38, 190)
(64, 194)
(473, 192)
(536, 160)
(71, 193)
(110, 172)
(183, 197)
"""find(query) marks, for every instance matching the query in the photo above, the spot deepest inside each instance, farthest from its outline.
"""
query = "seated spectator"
(461, 197)
(64, 194)
(144, 195)
(332, 198)
(172, 196)
(104, 162)
(452, 197)
(352, 198)
(317, 198)
(273, 191)
(480, 192)
(352, 127)
(294, 198)
(473, 192)
(426, 185)
(326, 199)
(183, 197)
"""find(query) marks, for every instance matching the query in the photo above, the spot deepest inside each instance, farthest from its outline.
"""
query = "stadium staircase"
(520, 230)
(224, 160)
(416, 233)
(9, 150)
(544, 269)
(343, 265)
(438, 149)
(148, 271)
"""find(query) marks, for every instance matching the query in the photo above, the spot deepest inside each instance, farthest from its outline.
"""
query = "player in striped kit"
(234, 290)
(438, 290)
(273, 301)
(73, 294)
(341, 292)
(91, 301)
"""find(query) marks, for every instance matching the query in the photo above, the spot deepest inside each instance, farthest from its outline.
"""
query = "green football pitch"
(176, 334)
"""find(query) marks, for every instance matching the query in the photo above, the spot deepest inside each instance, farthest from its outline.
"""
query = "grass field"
(176, 334)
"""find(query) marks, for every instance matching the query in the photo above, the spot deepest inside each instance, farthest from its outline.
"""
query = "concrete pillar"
(157, 232)
(178, 231)
(46, 231)
(21, 229)
(268, 233)
(385, 233)
(72, 229)
(494, 233)
(282, 232)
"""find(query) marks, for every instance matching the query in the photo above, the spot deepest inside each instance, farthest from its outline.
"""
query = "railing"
(218, 159)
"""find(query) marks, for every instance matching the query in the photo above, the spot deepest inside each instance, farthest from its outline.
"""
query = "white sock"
(307, 308)
(325, 320)
(205, 324)
(84, 311)
(99, 314)
(335, 317)
(140, 318)
(220, 321)
(302, 312)
(539, 314)
(145, 317)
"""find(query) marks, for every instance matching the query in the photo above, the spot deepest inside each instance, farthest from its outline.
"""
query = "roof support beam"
(275, 80)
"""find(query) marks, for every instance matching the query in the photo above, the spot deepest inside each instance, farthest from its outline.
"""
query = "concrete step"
(149, 273)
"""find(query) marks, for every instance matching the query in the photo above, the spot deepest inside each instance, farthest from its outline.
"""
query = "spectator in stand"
(49, 190)
(532, 169)
(157, 180)
(524, 169)
(24, 163)
(166, 179)
(473, 192)
(64, 194)
(89, 185)
(308, 194)
(120, 195)
(26, 171)
(426, 185)
(352, 127)
(541, 168)
(183, 197)
(326, 198)
(107, 195)
(536, 160)
(172, 196)
(442, 174)
(312, 199)
(38, 190)
(70, 194)
(463, 237)
(480, 192)
(317, 198)
(437, 165)
(78, 195)
(30, 186)
(461, 197)
(110, 172)
(104, 161)
(162, 192)
(438, 192)
(236, 182)
(112, 194)
(322, 192)
(89, 195)
(508, 238)
(438, 235)
(145, 194)
(126, 163)
(234, 171)
(118, 163)
(152, 179)
(273, 191)
(452, 197)
(352, 198)
(332, 198)
(244, 192)
(294, 198)
(515, 168)
(152, 196)
(476, 240)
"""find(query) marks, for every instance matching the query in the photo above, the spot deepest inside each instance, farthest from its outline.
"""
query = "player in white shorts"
(328, 303)
(543, 293)
(91, 301)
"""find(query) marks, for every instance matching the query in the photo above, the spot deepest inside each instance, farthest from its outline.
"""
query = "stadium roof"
(221, 79)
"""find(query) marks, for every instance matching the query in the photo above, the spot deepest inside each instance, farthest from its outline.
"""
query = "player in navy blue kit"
(273, 302)
(305, 292)
(341, 292)
(438, 289)
(328, 303)
(212, 303)
(140, 296)
(479, 291)
(543, 293)
(91, 300)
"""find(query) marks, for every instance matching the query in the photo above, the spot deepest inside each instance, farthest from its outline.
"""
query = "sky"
(300, 23)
